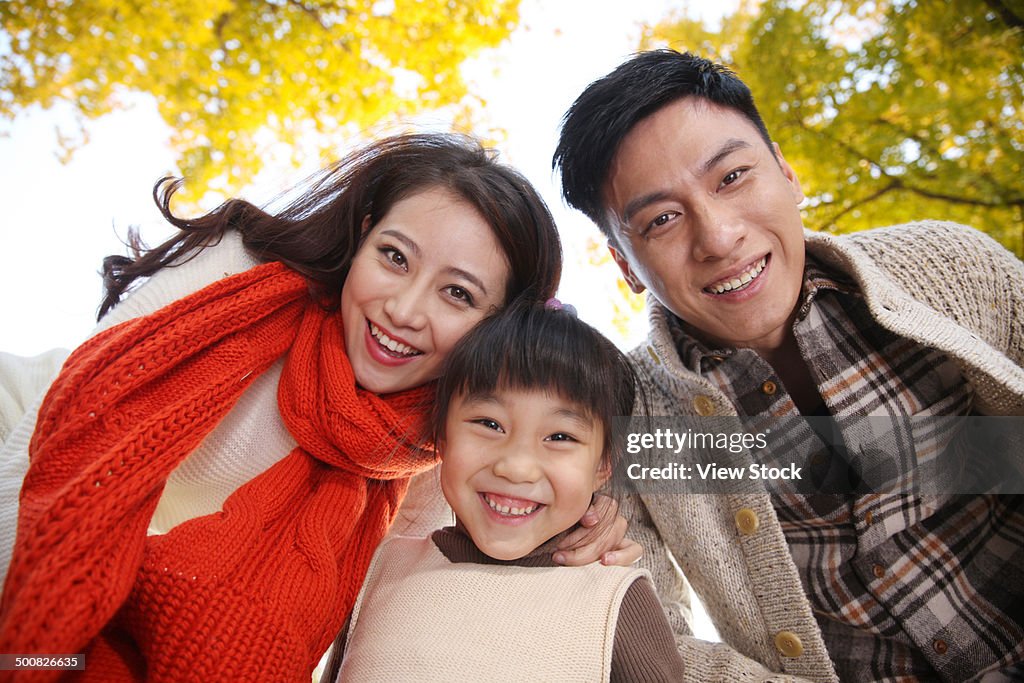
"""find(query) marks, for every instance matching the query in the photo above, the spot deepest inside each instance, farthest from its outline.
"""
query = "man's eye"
(661, 220)
(733, 176)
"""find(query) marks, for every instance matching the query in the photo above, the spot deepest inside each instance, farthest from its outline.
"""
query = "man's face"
(706, 218)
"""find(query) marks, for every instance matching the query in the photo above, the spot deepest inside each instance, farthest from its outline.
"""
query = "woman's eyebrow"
(404, 239)
(466, 275)
(409, 244)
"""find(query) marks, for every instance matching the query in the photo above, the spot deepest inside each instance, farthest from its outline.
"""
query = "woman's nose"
(406, 306)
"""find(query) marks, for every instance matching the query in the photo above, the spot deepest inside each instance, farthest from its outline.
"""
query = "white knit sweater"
(251, 438)
(940, 284)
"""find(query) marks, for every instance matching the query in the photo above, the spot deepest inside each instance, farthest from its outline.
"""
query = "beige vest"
(422, 618)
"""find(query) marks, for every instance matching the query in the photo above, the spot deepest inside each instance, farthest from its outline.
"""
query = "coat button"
(788, 643)
(940, 646)
(704, 405)
(769, 388)
(747, 521)
(878, 570)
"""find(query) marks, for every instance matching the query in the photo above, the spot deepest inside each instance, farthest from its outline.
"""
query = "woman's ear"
(365, 227)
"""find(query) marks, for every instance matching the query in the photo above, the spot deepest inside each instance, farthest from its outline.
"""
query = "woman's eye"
(460, 294)
(488, 423)
(395, 257)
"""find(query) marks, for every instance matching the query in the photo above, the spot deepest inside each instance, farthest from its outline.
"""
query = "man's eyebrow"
(635, 205)
(415, 249)
(731, 145)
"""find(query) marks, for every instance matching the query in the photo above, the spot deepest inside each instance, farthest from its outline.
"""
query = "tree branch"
(895, 185)
(1006, 14)
(968, 201)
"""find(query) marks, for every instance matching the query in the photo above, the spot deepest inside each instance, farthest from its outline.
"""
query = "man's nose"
(717, 233)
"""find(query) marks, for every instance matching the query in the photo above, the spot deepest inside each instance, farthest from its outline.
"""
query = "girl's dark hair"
(530, 346)
(319, 232)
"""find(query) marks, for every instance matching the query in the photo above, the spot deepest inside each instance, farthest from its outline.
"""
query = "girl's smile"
(506, 510)
(519, 467)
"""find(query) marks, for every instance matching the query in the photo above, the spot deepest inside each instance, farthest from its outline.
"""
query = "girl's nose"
(517, 464)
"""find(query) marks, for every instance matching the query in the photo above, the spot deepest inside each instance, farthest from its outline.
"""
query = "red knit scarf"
(253, 593)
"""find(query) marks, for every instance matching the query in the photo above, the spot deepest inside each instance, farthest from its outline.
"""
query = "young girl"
(523, 423)
(212, 471)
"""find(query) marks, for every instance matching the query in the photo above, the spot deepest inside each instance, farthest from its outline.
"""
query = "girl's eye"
(395, 257)
(460, 294)
(561, 436)
(488, 423)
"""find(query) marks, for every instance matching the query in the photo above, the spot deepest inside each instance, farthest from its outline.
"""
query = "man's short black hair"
(610, 107)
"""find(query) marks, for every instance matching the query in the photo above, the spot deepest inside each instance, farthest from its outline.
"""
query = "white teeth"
(506, 510)
(391, 344)
(743, 279)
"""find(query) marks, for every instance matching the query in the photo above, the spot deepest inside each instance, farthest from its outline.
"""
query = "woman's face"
(428, 272)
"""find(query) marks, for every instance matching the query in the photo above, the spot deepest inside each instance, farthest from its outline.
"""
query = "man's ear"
(789, 173)
(627, 271)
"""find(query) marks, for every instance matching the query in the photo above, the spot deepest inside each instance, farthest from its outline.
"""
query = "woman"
(260, 427)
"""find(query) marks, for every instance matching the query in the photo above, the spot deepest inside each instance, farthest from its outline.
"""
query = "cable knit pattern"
(255, 592)
(944, 285)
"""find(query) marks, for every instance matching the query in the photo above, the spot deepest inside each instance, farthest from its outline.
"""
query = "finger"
(577, 538)
(584, 546)
(623, 556)
(576, 557)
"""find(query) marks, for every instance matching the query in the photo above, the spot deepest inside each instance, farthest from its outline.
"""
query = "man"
(750, 315)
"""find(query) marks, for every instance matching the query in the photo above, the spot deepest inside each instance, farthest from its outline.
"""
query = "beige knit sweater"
(940, 284)
(421, 617)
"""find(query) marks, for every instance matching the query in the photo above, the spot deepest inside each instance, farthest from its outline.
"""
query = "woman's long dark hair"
(319, 232)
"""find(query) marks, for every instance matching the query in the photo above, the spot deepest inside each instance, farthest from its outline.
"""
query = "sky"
(59, 220)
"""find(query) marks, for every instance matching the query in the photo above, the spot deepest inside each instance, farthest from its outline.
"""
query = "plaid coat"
(943, 285)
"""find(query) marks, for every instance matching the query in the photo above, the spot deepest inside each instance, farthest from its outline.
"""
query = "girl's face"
(519, 467)
(428, 272)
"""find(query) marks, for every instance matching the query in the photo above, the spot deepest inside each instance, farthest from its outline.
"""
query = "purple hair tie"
(554, 304)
